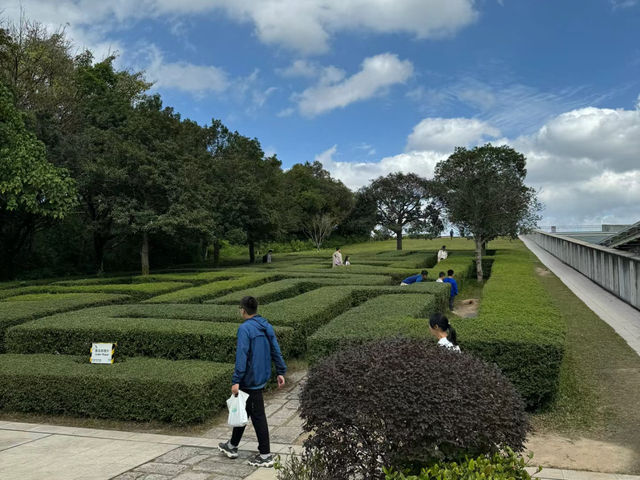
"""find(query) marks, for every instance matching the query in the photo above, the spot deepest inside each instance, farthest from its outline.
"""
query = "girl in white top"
(441, 329)
(347, 262)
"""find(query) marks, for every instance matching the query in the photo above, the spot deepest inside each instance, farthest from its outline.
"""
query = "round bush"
(403, 403)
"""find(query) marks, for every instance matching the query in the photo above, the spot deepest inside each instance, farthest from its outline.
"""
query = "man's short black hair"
(249, 304)
(449, 272)
(337, 248)
(441, 274)
(424, 273)
(444, 247)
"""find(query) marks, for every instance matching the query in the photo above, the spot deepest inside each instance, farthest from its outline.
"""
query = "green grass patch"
(139, 389)
(268, 292)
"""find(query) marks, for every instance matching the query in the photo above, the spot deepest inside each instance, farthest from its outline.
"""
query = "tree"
(362, 219)
(30, 186)
(404, 200)
(319, 227)
(159, 194)
(245, 190)
(483, 192)
(311, 191)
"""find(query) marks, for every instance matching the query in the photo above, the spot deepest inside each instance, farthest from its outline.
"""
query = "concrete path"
(624, 319)
(34, 452)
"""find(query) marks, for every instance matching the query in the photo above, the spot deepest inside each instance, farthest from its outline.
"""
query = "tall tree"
(311, 191)
(96, 143)
(31, 188)
(157, 196)
(362, 219)
(484, 193)
(404, 201)
(246, 191)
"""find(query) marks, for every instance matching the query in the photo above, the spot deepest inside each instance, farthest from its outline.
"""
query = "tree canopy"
(405, 201)
(483, 192)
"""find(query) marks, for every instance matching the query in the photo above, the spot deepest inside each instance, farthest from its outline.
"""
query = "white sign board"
(102, 353)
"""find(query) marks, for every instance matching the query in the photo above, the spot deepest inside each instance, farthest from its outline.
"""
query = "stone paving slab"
(64, 457)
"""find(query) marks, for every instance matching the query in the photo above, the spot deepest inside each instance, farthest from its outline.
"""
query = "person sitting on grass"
(440, 328)
(347, 262)
(441, 276)
(454, 287)
(420, 277)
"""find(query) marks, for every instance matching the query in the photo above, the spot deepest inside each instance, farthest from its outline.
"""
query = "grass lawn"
(599, 395)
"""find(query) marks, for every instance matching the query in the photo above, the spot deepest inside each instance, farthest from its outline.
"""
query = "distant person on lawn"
(441, 276)
(337, 258)
(347, 262)
(440, 328)
(420, 277)
(442, 253)
(451, 233)
(257, 348)
(454, 287)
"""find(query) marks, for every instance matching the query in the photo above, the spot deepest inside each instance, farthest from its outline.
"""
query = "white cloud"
(307, 25)
(334, 91)
(444, 134)
(196, 79)
(300, 68)
(358, 174)
(301, 25)
(585, 163)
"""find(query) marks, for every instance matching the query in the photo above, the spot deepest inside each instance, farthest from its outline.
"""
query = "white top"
(337, 258)
(442, 255)
(439, 280)
(444, 342)
(347, 263)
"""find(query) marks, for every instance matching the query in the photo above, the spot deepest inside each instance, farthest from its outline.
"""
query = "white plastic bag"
(237, 406)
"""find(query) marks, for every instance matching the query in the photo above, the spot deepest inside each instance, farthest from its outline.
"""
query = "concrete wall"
(614, 270)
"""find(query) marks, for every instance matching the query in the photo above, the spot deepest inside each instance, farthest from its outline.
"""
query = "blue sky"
(374, 86)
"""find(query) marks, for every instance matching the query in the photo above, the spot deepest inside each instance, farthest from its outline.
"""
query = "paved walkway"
(624, 319)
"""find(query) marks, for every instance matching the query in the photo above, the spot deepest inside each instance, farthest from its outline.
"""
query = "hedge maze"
(176, 332)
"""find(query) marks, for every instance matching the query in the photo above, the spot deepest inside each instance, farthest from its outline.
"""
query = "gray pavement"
(622, 317)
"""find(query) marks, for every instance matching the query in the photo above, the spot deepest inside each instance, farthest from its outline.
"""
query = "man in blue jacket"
(257, 347)
(421, 277)
(454, 287)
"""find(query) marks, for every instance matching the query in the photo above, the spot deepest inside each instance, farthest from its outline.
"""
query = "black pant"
(451, 302)
(255, 410)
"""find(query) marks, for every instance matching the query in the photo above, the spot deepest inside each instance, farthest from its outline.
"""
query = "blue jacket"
(454, 285)
(257, 347)
(413, 279)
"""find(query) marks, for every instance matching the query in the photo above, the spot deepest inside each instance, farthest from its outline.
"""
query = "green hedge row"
(143, 289)
(210, 290)
(139, 389)
(268, 292)
(518, 327)
(381, 317)
(146, 337)
(16, 312)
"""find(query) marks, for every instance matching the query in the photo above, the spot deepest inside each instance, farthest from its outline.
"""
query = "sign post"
(102, 353)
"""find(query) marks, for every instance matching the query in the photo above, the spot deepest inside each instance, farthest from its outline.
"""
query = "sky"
(370, 87)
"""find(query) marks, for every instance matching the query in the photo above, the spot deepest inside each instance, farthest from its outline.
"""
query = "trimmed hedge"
(268, 292)
(16, 312)
(128, 288)
(139, 389)
(150, 337)
(518, 328)
(381, 317)
(180, 311)
(209, 290)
